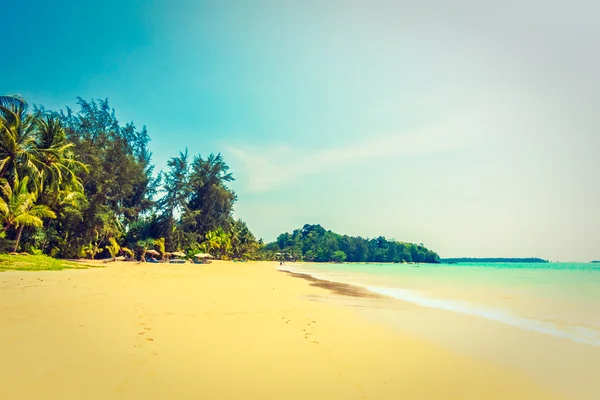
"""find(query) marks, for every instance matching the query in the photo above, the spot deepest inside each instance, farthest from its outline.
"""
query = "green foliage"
(89, 250)
(160, 244)
(116, 184)
(243, 244)
(314, 243)
(77, 183)
(127, 251)
(113, 248)
(35, 263)
(18, 208)
(196, 201)
(338, 256)
(144, 245)
(35, 251)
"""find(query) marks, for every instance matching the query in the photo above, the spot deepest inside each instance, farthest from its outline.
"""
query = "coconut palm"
(18, 208)
(90, 250)
(212, 240)
(225, 241)
(36, 145)
(242, 240)
(113, 248)
(160, 243)
(143, 246)
(18, 152)
(55, 158)
(235, 241)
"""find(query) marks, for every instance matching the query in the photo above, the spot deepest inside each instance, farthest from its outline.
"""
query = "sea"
(556, 299)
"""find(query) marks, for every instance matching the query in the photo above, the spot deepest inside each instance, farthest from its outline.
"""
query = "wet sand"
(335, 287)
(220, 331)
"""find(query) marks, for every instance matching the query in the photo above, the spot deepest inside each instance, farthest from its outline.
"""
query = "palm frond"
(13, 101)
(3, 207)
(28, 220)
(42, 211)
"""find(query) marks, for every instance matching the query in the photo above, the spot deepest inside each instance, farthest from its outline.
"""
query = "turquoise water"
(558, 299)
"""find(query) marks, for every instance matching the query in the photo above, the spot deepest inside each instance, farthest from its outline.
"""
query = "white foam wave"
(577, 334)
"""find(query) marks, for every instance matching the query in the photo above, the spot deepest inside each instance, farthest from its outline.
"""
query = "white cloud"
(270, 168)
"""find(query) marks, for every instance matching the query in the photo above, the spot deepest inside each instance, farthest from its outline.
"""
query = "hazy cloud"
(272, 167)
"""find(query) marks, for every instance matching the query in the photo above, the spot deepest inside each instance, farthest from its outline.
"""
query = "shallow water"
(557, 299)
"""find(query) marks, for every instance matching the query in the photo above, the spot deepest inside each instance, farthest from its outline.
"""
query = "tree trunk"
(19, 231)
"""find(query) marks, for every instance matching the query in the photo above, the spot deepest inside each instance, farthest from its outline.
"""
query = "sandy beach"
(220, 331)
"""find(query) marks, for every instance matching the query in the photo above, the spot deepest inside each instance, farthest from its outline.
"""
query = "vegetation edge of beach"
(22, 262)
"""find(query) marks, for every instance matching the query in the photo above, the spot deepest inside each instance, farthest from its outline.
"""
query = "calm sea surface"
(558, 299)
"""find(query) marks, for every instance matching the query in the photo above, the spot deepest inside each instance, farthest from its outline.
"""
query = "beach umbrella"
(203, 255)
(153, 252)
(178, 254)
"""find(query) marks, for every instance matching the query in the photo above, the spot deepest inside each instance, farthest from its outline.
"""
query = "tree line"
(314, 243)
(80, 184)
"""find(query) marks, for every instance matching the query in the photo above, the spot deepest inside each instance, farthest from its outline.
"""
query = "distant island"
(493, 259)
(596, 261)
(315, 243)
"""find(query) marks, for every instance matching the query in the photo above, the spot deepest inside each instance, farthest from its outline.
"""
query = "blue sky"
(471, 128)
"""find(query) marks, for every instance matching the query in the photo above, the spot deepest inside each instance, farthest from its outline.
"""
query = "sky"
(469, 126)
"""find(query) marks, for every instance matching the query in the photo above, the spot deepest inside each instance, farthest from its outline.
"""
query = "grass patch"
(10, 262)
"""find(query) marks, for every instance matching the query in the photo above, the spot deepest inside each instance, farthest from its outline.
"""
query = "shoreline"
(221, 330)
(533, 347)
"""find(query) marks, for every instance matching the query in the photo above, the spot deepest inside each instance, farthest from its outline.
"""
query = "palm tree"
(242, 240)
(113, 248)
(36, 145)
(235, 241)
(160, 243)
(55, 158)
(90, 249)
(212, 240)
(18, 208)
(18, 152)
(143, 246)
(225, 241)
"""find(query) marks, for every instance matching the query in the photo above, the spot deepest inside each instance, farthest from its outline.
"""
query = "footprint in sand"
(149, 339)
(122, 387)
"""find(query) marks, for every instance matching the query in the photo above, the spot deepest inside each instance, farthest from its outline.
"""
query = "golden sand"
(219, 331)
